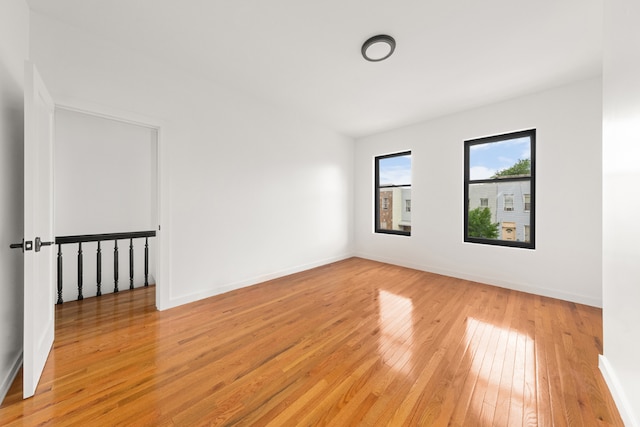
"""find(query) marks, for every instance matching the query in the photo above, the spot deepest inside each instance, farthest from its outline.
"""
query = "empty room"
(349, 213)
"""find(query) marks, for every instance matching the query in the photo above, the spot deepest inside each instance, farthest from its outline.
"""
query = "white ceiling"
(451, 55)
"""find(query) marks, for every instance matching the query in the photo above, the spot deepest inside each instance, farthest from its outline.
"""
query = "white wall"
(621, 207)
(567, 260)
(248, 191)
(14, 49)
(104, 183)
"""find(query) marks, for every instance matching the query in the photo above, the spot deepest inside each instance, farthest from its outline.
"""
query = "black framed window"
(499, 189)
(393, 194)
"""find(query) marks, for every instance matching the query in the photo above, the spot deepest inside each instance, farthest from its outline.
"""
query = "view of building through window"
(499, 189)
(393, 194)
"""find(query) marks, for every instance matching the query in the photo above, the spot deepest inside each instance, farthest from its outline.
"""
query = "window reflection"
(396, 331)
(503, 362)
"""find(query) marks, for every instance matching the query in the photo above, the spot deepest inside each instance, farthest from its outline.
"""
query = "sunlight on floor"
(396, 331)
(503, 363)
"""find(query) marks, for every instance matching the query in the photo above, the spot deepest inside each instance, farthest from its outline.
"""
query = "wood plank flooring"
(352, 343)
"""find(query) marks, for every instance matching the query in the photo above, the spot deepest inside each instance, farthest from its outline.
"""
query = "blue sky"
(395, 170)
(487, 159)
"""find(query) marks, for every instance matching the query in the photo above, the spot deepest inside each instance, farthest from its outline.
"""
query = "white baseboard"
(177, 301)
(623, 404)
(10, 377)
(551, 293)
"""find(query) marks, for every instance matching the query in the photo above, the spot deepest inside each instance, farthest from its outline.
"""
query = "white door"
(39, 279)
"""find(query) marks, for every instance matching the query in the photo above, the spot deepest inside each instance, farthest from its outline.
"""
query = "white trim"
(5, 385)
(619, 397)
(551, 293)
(163, 256)
(163, 244)
(174, 302)
(107, 112)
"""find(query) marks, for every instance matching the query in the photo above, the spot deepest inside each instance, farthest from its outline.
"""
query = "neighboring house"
(510, 205)
(405, 214)
(514, 210)
(484, 196)
(395, 209)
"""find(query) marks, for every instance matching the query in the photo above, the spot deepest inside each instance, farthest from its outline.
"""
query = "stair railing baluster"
(59, 274)
(115, 267)
(146, 261)
(80, 297)
(99, 270)
(130, 263)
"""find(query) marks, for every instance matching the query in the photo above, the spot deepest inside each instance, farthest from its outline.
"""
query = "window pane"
(497, 211)
(393, 192)
(395, 170)
(499, 179)
(394, 216)
(511, 157)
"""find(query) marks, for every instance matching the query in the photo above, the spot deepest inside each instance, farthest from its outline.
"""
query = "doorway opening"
(106, 181)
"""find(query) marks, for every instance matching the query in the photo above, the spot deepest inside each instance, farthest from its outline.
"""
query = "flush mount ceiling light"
(378, 48)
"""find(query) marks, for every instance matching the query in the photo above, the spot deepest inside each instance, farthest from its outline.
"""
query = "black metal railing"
(80, 239)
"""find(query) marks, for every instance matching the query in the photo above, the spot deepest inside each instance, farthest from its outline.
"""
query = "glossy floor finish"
(352, 343)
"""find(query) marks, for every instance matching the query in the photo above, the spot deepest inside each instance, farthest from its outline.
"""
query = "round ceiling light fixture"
(378, 48)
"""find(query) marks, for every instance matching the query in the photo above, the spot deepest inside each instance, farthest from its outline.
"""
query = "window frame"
(376, 192)
(531, 133)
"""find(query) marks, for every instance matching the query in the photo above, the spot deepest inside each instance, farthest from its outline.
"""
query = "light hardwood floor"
(352, 343)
